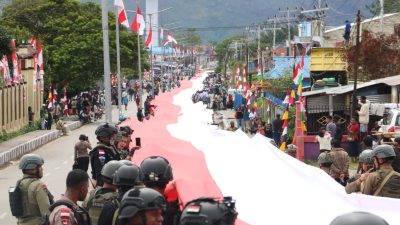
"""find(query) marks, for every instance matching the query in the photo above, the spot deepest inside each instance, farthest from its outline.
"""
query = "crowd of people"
(123, 193)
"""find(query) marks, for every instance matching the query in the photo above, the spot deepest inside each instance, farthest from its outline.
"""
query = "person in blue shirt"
(347, 30)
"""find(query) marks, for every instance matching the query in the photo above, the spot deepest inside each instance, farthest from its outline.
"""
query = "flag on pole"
(286, 100)
(40, 64)
(122, 18)
(50, 99)
(171, 38)
(285, 119)
(14, 60)
(162, 33)
(292, 97)
(259, 74)
(166, 42)
(138, 24)
(298, 70)
(149, 38)
(6, 71)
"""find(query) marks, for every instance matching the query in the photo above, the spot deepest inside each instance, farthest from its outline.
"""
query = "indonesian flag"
(39, 62)
(297, 72)
(122, 18)
(14, 59)
(149, 38)
(138, 24)
(33, 42)
(162, 33)
(286, 100)
(6, 71)
(166, 42)
(171, 38)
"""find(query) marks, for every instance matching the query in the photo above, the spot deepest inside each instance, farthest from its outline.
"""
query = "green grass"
(353, 166)
(26, 129)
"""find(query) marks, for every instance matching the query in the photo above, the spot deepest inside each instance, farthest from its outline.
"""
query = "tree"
(389, 6)
(4, 43)
(71, 34)
(379, 56)
(223, 52)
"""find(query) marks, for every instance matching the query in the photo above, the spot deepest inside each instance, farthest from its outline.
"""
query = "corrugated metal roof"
(365, 21)
(390, 81)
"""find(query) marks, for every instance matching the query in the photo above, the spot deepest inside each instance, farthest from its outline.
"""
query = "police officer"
(325, 161)
(66, 211)
(35, 196)
(157, 173)
(94, 203)
(104, 151)
(379, 181)
(148, 212)
(126, 178)
(367, 165)
(358, 218)
(208, 211)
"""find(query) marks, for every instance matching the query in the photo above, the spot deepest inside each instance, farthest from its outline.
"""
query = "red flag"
(166, 42)
(138, 24)
(14, 59)
(122, 18)
(171, 38)
(149, 38)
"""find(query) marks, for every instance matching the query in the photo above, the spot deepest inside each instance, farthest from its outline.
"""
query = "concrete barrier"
(21, 149)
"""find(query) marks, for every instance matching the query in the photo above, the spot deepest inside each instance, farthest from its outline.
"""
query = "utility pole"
(320, 14)
(106, 60)
(354, 102)
(382, 11)
(288, 11)
(274, 38)
(118, 63)
(139, 68)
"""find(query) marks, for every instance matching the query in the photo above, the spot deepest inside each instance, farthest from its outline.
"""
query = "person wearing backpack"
(384, 182)
(30, 199)
(66, 211)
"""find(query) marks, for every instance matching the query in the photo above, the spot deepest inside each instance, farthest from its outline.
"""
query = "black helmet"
(106, 130)
(127, 129)
(208, 211)
(109, 169)
(358, 218)
(128, 176)
(156, 169)
(138, 199)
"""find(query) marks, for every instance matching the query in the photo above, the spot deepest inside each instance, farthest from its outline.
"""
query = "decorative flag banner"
(40, 64)
(162, 33)
(285, 119)
(166, 42)
(138, 24)
(171, 38)
(298, 69)
(6, 71)
(292, 97)
(33, 45)
(50, 98)
(287, 98)
(14, 60)
(122, 18)
(149, 38)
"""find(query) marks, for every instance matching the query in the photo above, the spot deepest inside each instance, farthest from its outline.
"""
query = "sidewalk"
(14, 148)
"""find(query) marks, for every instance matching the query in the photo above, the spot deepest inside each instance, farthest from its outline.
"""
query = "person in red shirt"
(260, 130)
(137, 100)
(353, 133)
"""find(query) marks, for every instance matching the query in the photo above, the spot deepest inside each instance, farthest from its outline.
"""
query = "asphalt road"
(58, 156)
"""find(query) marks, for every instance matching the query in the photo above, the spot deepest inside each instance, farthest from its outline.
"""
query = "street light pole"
(139, 67)
(118, 63)
(106, 58)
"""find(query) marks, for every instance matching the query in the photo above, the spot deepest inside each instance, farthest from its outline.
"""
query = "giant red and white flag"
(138, 24)
(14, 60)
(149, 39)
(122, 18)
(171, 38)
(39, 62)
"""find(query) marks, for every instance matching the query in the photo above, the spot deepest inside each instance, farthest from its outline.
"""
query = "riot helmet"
(384, 152)
(105, 130)
(325, 158)
(209, 211)
(128, 176)
(109, 169)
(366, 156)
(358, 218)
(156, 170)
(30, 161)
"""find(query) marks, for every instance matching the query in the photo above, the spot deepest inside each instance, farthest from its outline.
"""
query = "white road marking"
(65, 162)
(3, 215)
(57, 168)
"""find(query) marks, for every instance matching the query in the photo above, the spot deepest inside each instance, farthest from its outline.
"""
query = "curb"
(33, 144)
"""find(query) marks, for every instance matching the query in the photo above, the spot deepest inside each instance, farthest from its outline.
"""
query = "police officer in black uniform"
(104, 152)
(209, 211)
(157, 173)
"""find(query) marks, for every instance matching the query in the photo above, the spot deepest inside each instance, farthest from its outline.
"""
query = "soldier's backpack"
(390, 186)
(80, 214)
(15, 198)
